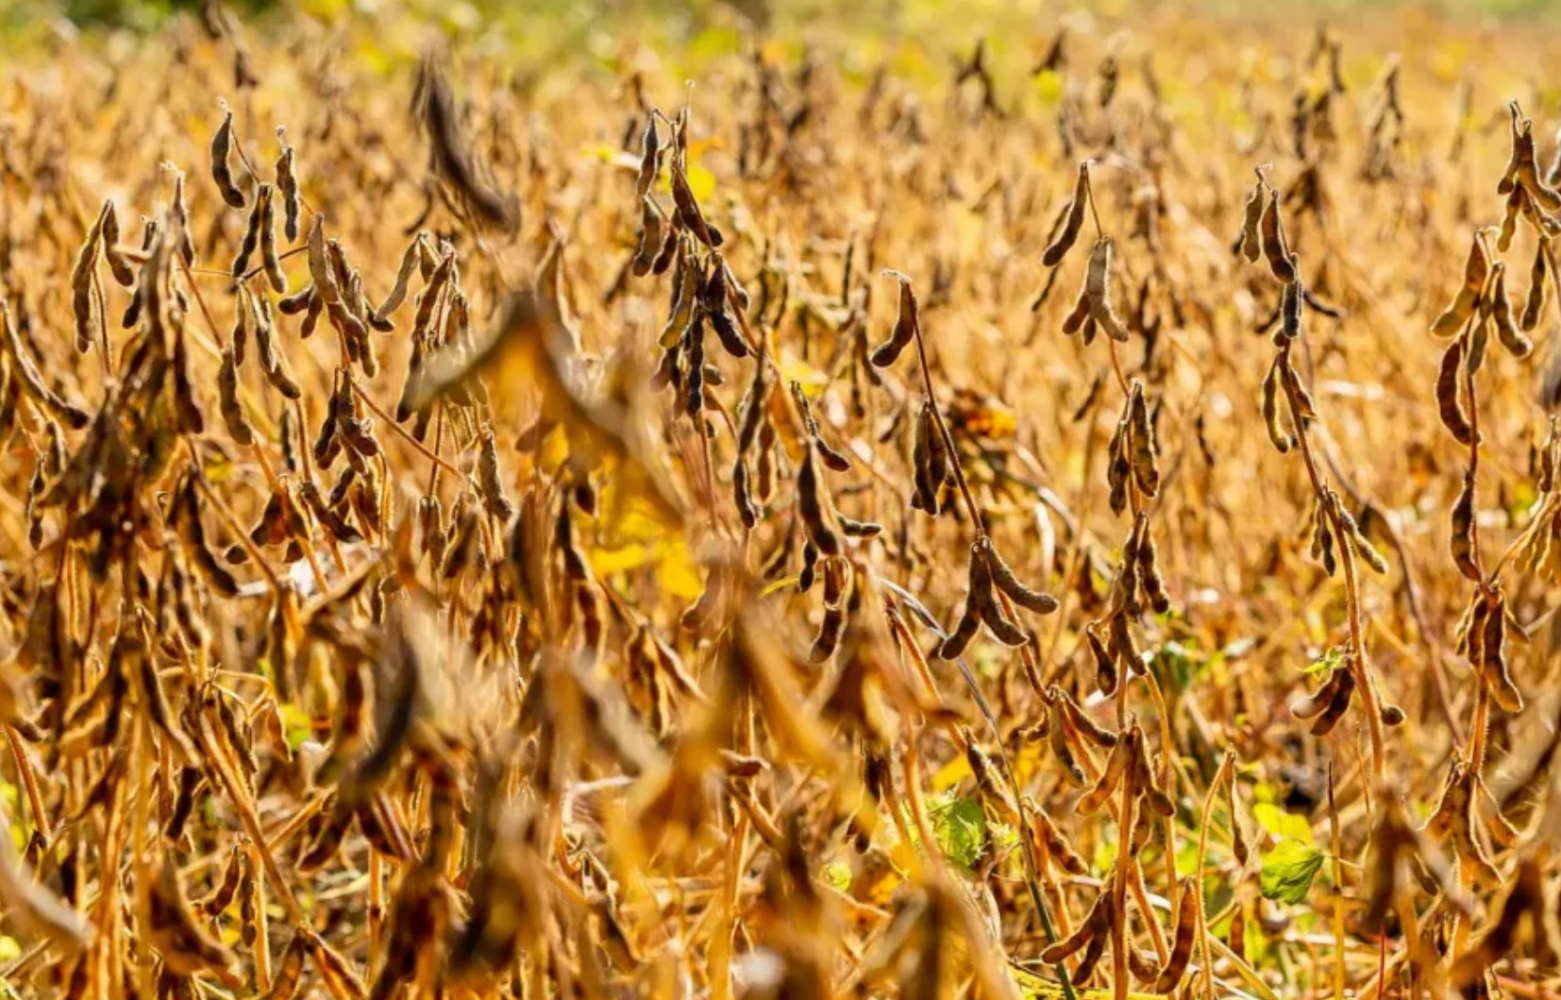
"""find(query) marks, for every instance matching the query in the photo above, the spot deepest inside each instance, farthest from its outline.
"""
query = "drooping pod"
(1097, 288)
(221, 166)
(905, 324)
(1250, 243)
(1069, 235)
(1476, 269)
(1275, 247)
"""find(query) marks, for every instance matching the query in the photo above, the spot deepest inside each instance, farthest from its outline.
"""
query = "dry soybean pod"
(905, 322)
(270, 261)
(233, 415)
(1059, 248)
(221, 160)
(117, 264)
(1250, 244)
(398, 291)
(1097, 288)
(1475, 270)
(1276, 432)
(1003, 576)
(251, 232)
(1534, 304)
(287, 184)
(1462, 536)
(1507, 330)
(1275, 248)
(81, 279)
(1182, 940)
(1449, 405)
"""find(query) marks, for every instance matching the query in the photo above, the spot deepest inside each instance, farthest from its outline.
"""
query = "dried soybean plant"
(475, 533)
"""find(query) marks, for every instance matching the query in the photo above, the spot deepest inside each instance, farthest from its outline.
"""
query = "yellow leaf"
(1048, 85)
(794, 369)
(701, 182)
(951, 774)
(1282, 824)
(634, 539)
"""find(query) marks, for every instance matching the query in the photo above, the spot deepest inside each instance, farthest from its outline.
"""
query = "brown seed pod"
(1534, 303)
(1509, 221)
(1146, 470)
(831, 628)
(1003, 576)
(190, 781)
(1097, 287)
(1078, 315)
(273, 364)
(954, 645)
(1109, 780)
(221, 168)
(1276, 433)
(179, 223)
(118, 265)
(1356, 538)
(1069, 235)
(1002, 628)
(292, 305)
(651, 239)
(1478, 337)
(1507, 330)
(233, 415)
(1462, 537)
(1448, 401)
(694, 367)
(1337, 704)
(809, 568)
(688, 211)
(747, 510)
(270, 261)
(222, 896)
(1064, 741)
(650, 158)
(1054, 843)
(489, 482)
(1250, 243)
(287, 184)
(906, 321)
(714, 298)
(338, 527)
(1183, 938)
(82, 281)
(398, 291)
(1105, 663)
(1476, 269)
(1275, 248)
(1096, 923)
(1493, 658)
(1290, 303)
(1149, 568)
(1312, 705)
(1093, 953)
(813, 506)
(1302, 407)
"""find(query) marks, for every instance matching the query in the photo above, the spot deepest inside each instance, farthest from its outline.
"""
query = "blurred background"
(784, 16)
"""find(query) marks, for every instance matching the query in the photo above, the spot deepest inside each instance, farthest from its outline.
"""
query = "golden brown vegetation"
(479, 535)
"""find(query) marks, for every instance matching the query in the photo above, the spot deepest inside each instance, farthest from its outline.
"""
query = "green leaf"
(838, 874)
(959, 824)
(1288, 871)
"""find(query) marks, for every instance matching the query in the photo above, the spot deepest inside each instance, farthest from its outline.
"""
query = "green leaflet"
(1288, 871)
